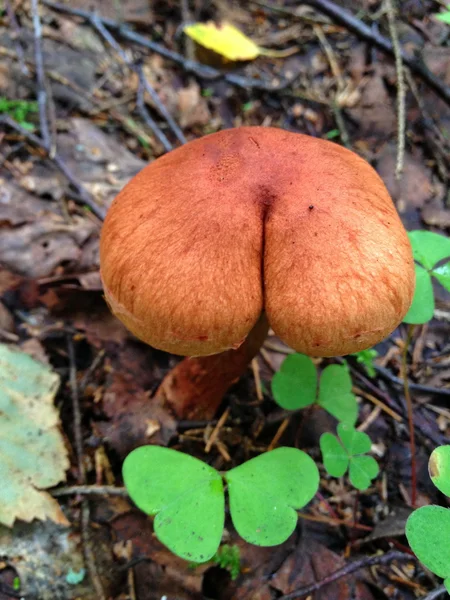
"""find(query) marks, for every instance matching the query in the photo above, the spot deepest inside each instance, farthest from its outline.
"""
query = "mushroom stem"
(195, 387)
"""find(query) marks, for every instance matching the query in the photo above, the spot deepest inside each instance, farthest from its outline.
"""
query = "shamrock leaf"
(439, 469)
(265, 493)
(335, 457)
(428, 249)
(442, 274)
(335, 394)
(349, 452)
(428, 533)
(422, 307)
(184, 493)
(294, 386)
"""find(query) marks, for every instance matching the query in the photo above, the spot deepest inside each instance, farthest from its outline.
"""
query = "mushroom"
(214, 241)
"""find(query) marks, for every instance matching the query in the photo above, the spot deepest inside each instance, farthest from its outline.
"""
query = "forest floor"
(78, 118)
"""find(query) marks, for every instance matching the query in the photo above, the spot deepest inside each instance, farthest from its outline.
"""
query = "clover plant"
(229, 558)
(366, 358)
(187, 498)
(296, 385)
(429, 249)
(428, 527)
(349, 452)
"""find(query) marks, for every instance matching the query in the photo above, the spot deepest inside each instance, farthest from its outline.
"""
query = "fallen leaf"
(224, 39)
(192, 108)
(32, 451)
(415, 187)
(130, 409)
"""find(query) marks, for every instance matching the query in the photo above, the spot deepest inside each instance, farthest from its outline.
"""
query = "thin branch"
(143, 85)
(19, 48)
(76, 411)
(40, 76)
(90, 490)
(412, 439)
(419, 387)
(348, 570)
(85, 511)
(401, 112)
(84, 196)
(160, 106)
(437, 593)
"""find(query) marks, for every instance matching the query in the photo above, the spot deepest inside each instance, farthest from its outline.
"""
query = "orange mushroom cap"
(255, 219)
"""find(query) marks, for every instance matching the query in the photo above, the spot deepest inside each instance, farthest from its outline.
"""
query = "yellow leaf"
(223, 39)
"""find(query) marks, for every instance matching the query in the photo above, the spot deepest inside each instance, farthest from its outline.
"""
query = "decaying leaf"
(33, 456)
(224, 39)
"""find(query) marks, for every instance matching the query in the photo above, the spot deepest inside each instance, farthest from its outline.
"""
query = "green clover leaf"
(184, 493)
(428, 249)
(187, 497)
(265, 493)
(349, 452)
(439, 469)
(295, 385)
(366, 358)
(428, 533)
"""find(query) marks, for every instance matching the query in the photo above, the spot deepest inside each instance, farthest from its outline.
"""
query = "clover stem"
(409, 406)
(195, 387)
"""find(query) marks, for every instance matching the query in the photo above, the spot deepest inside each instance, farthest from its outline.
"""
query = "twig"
(101, 29)
(89, 552)
(19, 48)
(160, 106)
(409, 406)
(437, 593)
(257, 378)
(140, 103)
(401, 113)
(190, 66)
(428, 389)
(85, 511)
(76, 411)
(281, 429)
(378, 403)
(216, 430)
(90, 490)
(348, 570)
(84, 196)
(40, 76)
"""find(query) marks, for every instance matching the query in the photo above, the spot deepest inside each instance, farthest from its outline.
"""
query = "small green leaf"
(349, 453)
(439, 469)
(184, 493)
(442, 274)
(354, 441)
(362, 470)
(429, 248)
(294, 386)
(428, 534)
(265, 493)
(335, 457)
(444, 17)
(366, 357)
(335, 394)
(422, 307)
